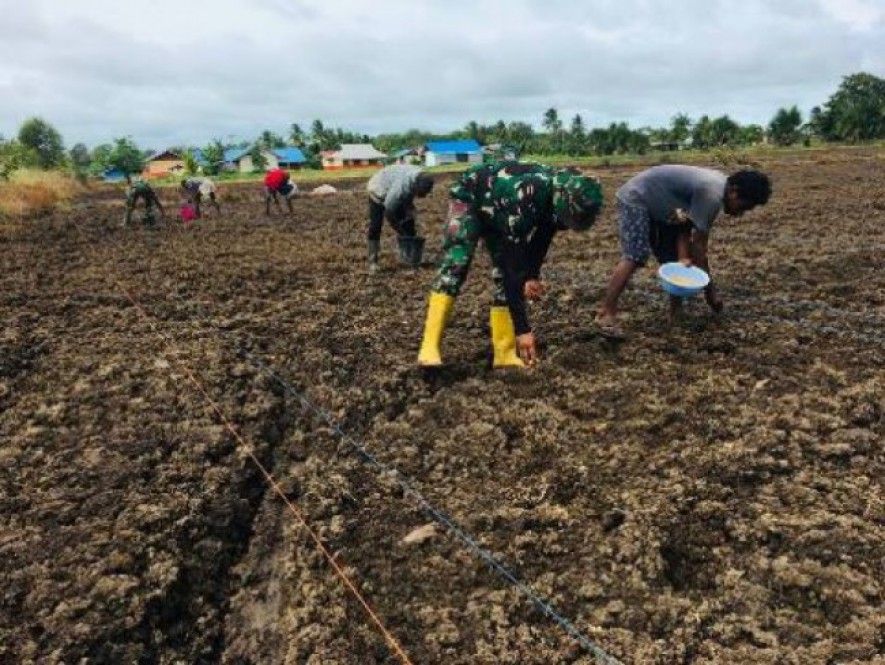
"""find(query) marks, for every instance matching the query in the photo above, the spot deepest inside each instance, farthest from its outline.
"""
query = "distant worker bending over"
(196, 188)
(139, 190)
(669, 210)
(392, 193)
(277, 183)
(515, 208)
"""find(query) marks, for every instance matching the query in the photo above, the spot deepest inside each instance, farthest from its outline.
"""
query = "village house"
(451, 152)
(163, 164)
(289, 158)
(113, 175)
(408, 156)
(282, 158)
(240, 159)
(353, 155)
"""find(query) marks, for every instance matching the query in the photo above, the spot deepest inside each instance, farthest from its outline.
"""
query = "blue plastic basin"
(679, 280)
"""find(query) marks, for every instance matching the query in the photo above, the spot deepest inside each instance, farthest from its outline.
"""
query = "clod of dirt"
(420, 535)
(613, 519)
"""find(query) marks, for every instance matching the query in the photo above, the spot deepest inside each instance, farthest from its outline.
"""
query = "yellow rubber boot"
(503, 339)
(438, 309)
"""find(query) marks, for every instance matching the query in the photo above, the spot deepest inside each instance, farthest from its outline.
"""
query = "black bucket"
(411, 250)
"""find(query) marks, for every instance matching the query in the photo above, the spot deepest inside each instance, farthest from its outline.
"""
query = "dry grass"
(31, 193)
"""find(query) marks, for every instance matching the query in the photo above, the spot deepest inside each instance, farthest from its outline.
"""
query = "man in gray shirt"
(669, 211)
(392, 192)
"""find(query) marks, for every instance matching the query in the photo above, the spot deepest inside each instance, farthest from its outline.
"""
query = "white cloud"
(858, 14)
(170, 72)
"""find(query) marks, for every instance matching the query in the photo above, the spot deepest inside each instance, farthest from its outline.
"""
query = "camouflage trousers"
(131, 201)
(462, 233)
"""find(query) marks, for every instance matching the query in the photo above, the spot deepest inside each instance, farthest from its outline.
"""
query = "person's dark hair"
(183, 182)
(423, 184)
(752, 186)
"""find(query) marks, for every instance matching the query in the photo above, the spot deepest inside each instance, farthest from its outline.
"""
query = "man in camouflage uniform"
(392, 193)
(515, 208)
(140, 190)
(196, 188)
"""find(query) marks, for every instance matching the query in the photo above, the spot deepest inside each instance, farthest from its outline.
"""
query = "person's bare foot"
(608, 326)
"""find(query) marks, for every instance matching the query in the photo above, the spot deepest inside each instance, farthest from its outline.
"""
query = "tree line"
(854, 113)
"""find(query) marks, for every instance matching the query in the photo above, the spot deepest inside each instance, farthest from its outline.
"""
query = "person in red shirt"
(276, 183)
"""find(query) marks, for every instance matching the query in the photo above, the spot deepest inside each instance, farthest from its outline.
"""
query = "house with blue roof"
(228, 163)
(113, 175)
(232, 157)
(289, 158)
(283, 158)
(450, 152)
(240, 159)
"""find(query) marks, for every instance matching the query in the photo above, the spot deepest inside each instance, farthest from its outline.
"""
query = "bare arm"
(699, 245)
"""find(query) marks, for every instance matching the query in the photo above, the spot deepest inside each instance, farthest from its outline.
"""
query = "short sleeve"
(705, 207)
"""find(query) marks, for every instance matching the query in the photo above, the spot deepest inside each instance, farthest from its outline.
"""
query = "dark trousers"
(403, 227)
(664, 241)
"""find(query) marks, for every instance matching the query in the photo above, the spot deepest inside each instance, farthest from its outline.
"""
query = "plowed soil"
(704, 492)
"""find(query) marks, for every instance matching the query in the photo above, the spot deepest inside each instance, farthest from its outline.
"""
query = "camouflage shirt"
(516, 198)
(140, 189)
(514, 202)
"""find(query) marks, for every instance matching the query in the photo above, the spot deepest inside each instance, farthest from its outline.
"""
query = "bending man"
(669, 211)
(276, 183)
(515, 208)
(196, 188)
(392, 193)
(142, 191)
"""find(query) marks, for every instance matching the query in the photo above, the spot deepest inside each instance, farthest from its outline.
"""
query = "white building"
(451, 152)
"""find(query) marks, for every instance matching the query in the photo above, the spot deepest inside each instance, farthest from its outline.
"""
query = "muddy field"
(707, 492)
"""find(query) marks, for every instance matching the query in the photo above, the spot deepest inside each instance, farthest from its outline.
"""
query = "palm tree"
(577, 136)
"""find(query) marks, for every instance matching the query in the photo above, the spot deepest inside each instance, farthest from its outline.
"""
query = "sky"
(183, 72)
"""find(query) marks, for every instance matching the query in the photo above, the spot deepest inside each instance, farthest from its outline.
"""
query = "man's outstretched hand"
(533, 289)
(527, 349)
